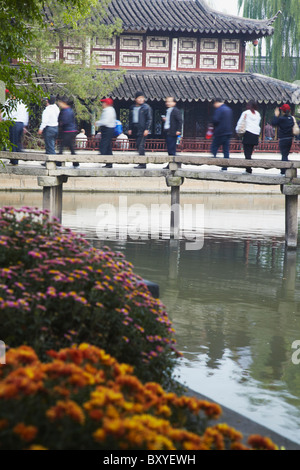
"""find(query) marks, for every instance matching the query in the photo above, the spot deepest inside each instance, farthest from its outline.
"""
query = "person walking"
(140, 122)
(285, 123)
(49, 125)
(250, 119)
(18, 113)
(172, 125)
(222, 121)
(107, 124)
(67, 127)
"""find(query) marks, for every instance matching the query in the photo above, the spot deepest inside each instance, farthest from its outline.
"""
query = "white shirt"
(50, 116)
(81, 139)
(19, 113)
(108, 118)
(81, 136)
(252, 121)
(122, 141)
(168, 117)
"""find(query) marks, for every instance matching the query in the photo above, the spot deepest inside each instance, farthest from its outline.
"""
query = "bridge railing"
(159, 145)
(51, 177)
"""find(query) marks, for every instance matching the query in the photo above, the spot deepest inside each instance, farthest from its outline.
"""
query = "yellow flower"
(164, 410)
(37, 447)
(99, 435)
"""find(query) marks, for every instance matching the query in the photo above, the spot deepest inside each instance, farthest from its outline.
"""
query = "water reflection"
(235, 303)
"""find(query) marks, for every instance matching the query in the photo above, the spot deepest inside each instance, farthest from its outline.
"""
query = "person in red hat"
(285, 123)
(107, 124)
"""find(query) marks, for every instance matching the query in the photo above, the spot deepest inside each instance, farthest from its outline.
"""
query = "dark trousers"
(107, 134)
(140, 140)
(285, 145)
(15, 137)
(221, 141)
(171, 144)
(67, 140)
(248, 151)
(50, 135)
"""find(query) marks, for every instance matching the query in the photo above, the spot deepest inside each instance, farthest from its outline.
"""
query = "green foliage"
(85, 85)
(32, 27)
(82, 82)
(284, 45)
(56, 290)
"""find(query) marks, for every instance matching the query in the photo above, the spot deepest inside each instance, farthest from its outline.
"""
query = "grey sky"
(228, 6)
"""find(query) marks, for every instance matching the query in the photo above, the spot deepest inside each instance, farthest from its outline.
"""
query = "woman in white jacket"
(251, 118)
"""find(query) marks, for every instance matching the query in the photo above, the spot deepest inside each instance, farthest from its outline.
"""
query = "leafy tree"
(82, 81)
(282, 49)
(28, 26)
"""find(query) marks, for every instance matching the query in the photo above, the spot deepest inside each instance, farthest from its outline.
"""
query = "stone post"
(52, 194)
(291, 210)
(174, 182)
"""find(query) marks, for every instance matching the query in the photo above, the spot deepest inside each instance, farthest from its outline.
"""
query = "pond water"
(234, 303)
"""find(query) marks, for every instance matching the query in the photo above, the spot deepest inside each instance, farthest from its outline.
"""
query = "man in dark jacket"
(67, 127)
(140, 122)
(222, 121)
(172, 125)
(285, 123)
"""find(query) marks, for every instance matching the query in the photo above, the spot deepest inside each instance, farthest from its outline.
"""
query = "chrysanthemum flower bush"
(57, 290)
(85, 399)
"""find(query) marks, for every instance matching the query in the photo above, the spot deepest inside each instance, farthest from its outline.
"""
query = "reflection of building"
(184, 49)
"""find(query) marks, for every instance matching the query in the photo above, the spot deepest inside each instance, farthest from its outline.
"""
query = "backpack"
(118, 128)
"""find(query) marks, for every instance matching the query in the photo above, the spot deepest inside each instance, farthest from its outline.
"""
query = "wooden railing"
(199, 145)
(186, 145)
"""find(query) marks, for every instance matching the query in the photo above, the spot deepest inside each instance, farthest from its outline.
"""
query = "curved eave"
(241, 32)
(203, 87)
(183, 16)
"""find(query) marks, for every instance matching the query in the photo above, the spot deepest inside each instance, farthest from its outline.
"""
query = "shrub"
(83, 399)
(56, 290)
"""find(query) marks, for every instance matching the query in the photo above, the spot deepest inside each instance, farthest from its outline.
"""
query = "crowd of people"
(249, 128)
(58, 121)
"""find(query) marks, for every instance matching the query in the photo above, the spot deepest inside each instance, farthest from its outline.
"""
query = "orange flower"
(8, 390)
(21, 355)
(261, 443)
(26, 433)
(96, 414)
(66, 408)
(3, 424)
(229, 432)
(62, 390)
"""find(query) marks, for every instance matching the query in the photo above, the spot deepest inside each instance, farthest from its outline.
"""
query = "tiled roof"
(183, 16)
(192, 86)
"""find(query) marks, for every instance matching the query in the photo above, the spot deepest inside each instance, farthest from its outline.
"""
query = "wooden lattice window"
(124, 118)
(105, 43)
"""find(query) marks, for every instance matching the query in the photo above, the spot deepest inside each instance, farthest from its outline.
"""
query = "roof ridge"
(186, 16)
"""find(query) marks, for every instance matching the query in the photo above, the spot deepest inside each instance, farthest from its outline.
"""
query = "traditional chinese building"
(183, 48)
